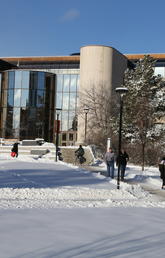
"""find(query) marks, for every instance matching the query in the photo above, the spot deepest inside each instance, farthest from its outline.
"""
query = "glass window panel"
(33, 80)
(18, 79)
(159, 70)
(40, 98)
(9, 120)
(77, 99)
(71, 137)
(32, 114)
(66, 83)
(73, 83)
(32, 98)
(59, 82)
(41, 81)
(16, 118)
(17, 97)
(71, 120)
(65, 101)
(72, 103)
(23, 117)
(64, 136)
(11, 79)
(24, 98)
(10, 98)
(40, 115)
(25, 79)
(64, 121)
(59, 100)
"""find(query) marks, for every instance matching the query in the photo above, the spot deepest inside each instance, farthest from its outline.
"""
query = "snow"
(54, 209)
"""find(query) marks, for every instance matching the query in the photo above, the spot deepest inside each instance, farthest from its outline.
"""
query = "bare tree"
(101, 110)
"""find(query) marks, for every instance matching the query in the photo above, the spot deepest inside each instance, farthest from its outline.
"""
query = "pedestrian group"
(121, 161)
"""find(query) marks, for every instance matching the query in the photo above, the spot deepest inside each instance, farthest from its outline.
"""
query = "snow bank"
(29, 184)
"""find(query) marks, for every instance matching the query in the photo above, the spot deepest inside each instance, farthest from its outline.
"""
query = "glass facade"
(27, 105)
(160, 71)
(67, 88)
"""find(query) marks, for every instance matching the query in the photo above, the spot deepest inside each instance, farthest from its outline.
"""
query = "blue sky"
(61, 27)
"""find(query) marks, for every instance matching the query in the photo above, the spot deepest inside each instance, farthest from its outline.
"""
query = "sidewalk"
(154, 191)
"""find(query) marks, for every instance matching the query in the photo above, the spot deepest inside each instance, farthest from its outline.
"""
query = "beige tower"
(99, 65)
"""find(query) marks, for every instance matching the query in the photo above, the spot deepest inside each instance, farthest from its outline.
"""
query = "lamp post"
(121, 91)
(57, 130)
(86, 110)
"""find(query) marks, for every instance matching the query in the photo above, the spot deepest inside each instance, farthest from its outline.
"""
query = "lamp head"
(121, 90)
(58, 110)
(86, 110)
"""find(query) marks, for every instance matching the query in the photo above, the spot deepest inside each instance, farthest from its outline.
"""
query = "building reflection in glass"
(27, 105)
(67, 86)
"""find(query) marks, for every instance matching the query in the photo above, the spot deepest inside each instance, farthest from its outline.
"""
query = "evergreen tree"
(144, 104)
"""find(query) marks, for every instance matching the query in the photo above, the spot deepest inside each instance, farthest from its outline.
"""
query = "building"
(34, 88)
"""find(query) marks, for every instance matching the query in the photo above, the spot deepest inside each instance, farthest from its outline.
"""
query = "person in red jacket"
(15, 149)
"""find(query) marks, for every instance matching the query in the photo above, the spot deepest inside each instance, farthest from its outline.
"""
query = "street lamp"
(86, 110)
(121, 91)
(57, 130)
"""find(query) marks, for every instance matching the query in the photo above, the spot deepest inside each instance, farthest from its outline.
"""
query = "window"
(65, 101)
(71, 137)
(16, 118)
(18, 79)
(32, 98)
(41, 81)
(40, 98)
(160, 70)
(64, 121)
(66, 83)
(17, 97)
(33, 80)
(71, 120)
(11, 79)
(59, 83)
(10, 98)
(25, 98)
(72, 104)
(64, 136)
(59, 100)
(73, 83)
(25, 79)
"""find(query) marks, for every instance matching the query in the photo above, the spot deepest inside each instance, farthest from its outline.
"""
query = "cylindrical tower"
(100, 66)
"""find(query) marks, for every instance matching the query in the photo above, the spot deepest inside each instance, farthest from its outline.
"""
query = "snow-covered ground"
(50, 209)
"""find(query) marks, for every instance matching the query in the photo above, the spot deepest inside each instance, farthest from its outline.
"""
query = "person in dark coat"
(80, 154)
(123, 159)
(162, 171)
(15, 148)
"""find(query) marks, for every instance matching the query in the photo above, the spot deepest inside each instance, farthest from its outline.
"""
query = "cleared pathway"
(152, 190)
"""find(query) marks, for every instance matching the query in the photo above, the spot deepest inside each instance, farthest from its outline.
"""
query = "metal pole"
(85, 126)
(120, 136)
(57, 134)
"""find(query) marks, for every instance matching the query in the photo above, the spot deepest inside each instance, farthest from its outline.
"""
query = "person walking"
(162, 171)
(122, 158)
(110, 160)
(15, 149)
